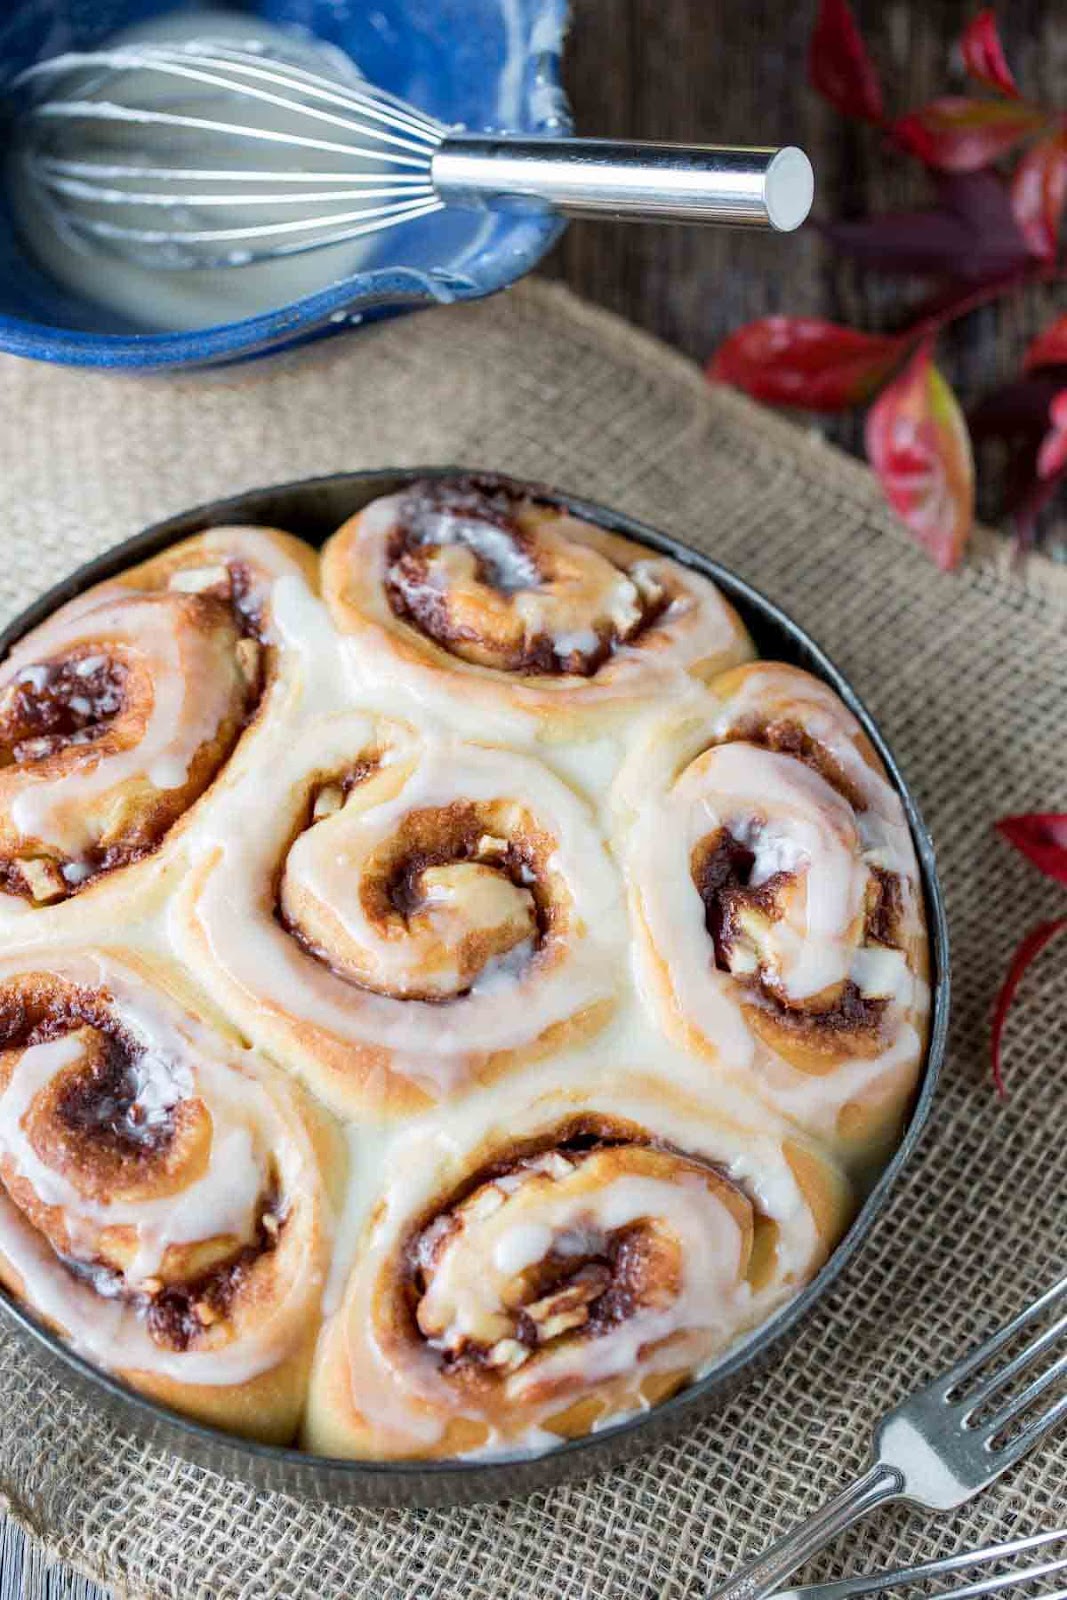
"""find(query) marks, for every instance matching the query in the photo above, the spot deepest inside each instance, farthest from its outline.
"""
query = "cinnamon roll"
(400, 916)
(118, 712)
(559, 1260)
(776, 900)
(472, 589)
(166, 1199)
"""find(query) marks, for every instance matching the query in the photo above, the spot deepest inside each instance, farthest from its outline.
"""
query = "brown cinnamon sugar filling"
(486, 519)
(80, 699)
(180, 1312)
(398, 886)
(177, 1314)
(70, 701)
(589, 1281)
(721, 868)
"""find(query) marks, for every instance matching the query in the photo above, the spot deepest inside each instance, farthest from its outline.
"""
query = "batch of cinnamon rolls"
(451, 991)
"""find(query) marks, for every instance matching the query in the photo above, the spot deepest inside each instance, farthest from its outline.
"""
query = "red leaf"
(839, 67)
(1031, 947)
(1018, 414)
(1049, 349)
(959, 135)
(983, 54)
(1038, 192)
(970, 235)
(1052, 456)
(803, 361)
(1041, 837)
(918, 444)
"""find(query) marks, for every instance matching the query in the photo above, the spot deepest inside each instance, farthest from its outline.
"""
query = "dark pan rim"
(452, 1481)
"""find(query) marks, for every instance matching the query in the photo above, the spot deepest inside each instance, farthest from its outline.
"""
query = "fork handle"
(770, 1570)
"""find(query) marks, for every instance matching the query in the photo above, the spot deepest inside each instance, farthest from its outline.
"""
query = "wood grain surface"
(734, 71)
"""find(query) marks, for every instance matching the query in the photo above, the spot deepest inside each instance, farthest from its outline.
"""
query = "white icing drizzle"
(697, 631)
(186, 708)
(603, 771)
(680, 787)
(253, 960)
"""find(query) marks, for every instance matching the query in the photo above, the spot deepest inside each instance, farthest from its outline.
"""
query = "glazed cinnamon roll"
(166, 1199)
(397, 916)
(776, 900)
(559, 1261)
(120, 711)
(472, 589)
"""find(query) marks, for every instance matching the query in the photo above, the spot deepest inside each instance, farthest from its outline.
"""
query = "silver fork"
(934, 1449)
(915, 1577)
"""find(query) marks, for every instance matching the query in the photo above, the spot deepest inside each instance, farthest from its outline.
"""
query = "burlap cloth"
(967, 675)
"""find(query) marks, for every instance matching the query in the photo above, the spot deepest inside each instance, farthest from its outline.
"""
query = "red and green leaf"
(1041, 836)
(1028, 951)
(918, 444)
(1038, 193)
(958, 134)
(839, 66)
(804, 361)
(983, 54)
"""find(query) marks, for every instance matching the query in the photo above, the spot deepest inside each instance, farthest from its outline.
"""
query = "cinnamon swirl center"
(51, 704)
(426, 906)
(572, 1247)
(502, 581)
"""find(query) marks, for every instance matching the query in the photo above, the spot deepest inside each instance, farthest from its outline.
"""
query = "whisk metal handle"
(754, 188)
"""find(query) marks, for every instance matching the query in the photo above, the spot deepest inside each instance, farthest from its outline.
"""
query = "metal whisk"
(209, 155)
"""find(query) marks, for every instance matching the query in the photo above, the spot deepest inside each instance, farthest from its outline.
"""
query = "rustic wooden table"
(733, 70)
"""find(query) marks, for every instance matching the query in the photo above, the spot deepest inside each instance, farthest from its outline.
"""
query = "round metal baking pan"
(313, 508)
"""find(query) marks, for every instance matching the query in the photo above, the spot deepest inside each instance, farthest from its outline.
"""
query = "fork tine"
(1016, 1448)
(979, 1356)
(1003, 1580)
(1024, 1399)
(997, 1380)
(925, 1574)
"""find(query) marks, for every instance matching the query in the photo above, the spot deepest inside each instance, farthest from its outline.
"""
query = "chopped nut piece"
(328, 800)
(151, 1285)
(271, 1225)
(490, 845)
(646, 582)
(552, 1163)
(247, 655)
(205, 1314)
(484, 1203)
(748, 948)
(568, 1307)
(508, 1355)
(44, 878)
(197, 580)
(562, 1322)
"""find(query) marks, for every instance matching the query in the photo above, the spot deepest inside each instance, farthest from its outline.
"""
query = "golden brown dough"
(122, 709)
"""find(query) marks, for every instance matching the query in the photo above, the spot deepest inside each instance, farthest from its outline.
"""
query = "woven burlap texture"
(966, 675)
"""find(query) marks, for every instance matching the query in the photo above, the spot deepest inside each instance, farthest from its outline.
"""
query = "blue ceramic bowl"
(488, 64)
